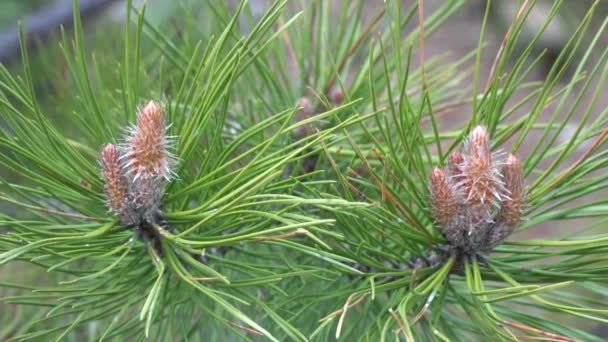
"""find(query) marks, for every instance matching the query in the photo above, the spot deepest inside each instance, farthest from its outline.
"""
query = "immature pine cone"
(147, 159)
(146, 155)
(476, 203)
(305, 111)
(116, 187)
(135, 179)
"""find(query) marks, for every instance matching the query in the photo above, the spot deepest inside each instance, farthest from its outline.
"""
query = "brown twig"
(505, 40)
(346, 306)
(379, 184)
(245, 329)
(413, 277)
(389, 196)
(524, 327)
(532, 338)
(401, 325)
(299, 231)
(421, 25)
(206, 278)
(425, 308)
(352, 50)
(600, 139)
(355, 189)
(291, 52)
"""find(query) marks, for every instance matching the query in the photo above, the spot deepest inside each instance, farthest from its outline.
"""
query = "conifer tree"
(216, 174)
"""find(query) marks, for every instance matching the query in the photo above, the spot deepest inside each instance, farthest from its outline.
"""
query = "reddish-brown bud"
(336, 96)
(147, 155)
(481, 183)
(445, 204)
(476, 206)
(116, 188)
(304, 112)
(514, 203)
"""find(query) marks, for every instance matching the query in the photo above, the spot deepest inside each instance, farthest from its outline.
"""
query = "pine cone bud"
(336, 96)
(480, 184)
(476, 207)
(445, 204)
(116, 188)
(306, 111)
(147, 155)
(514, 203)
